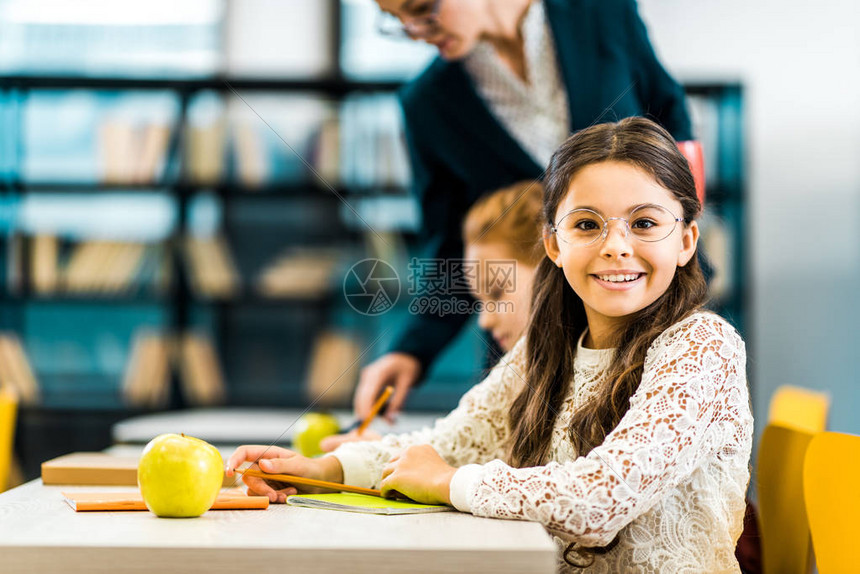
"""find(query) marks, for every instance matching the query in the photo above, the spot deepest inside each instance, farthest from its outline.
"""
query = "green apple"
(310, 429)
(179, 476)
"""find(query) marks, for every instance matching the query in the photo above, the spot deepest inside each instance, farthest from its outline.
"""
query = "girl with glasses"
(621, 420)
(513, 79)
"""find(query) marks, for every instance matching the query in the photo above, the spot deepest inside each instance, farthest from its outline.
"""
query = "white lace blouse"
(669, 480)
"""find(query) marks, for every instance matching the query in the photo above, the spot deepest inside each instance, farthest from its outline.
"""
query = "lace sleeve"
(474, 432)
(685, 410)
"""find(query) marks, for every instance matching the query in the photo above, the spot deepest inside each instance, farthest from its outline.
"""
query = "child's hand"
(330, 443)
(277, 460)
(419, 473)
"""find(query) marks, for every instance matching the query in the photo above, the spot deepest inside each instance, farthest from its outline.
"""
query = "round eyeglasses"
(421, 22)
(582, 227)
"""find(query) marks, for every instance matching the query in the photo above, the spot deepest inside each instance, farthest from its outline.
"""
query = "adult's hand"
(277, 460)
(398, 369)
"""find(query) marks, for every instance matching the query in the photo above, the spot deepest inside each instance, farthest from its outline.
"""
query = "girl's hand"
(277, 460)
(419, 473)
(330, 443)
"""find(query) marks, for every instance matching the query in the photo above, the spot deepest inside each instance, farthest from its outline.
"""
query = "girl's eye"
(421, 10)
(643, 224)
(586, 225)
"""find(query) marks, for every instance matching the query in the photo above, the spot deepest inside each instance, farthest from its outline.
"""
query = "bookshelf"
(244, 324)
(718, 115)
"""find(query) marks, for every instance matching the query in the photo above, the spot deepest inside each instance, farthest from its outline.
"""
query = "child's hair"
(557, 313)
(512, 216)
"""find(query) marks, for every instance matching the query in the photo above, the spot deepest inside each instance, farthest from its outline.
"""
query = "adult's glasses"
(421, 22)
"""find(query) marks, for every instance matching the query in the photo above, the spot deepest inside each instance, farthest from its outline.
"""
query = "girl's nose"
(616, 240)
(485, 320)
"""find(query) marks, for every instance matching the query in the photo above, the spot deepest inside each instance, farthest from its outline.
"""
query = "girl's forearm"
(332, 469)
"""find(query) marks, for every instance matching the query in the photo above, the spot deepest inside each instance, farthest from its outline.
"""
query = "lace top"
(669, 480)
(534, 112)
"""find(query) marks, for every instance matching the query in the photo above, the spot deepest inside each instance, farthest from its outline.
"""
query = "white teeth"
(618, 278)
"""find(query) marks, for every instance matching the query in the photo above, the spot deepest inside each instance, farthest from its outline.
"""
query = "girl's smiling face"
(639, 272)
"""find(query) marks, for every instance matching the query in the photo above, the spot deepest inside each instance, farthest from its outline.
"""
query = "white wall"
(278, 38)
(800, 63)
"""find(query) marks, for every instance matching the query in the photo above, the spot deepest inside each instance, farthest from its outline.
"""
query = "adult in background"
(513, 79)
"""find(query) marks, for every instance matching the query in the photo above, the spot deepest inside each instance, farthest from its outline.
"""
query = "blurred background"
(184, 187)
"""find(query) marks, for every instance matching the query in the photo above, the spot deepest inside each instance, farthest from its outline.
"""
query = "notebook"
(107, 501)
(350, 502)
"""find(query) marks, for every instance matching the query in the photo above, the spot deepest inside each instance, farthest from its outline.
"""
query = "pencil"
(375, 409)
(309, 482)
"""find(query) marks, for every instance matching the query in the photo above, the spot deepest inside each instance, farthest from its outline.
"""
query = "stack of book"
(300, 274)
(102, 267)
(333, 371)
(16, 374)
(147, 377)
(95, 267)
(211, 268)
(98, 267)
(372, 151)
(200, 372)
(154, 357)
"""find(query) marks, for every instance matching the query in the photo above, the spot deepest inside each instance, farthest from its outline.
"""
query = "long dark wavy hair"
(557, 313)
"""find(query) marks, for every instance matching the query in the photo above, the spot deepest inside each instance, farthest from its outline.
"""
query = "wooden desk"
(39, 532)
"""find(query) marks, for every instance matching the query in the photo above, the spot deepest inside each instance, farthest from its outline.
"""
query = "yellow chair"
(799, 408)
(831, 489)
(785, 541)
(8, 410)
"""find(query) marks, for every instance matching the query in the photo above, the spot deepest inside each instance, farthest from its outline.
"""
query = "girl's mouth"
(618, 282)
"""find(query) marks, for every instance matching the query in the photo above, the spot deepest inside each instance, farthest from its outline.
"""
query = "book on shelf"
(252, 163)
(16, 373)
(716, 242)
(131, 153)
(212, 270)
(334, 368)
(146, 382)
(372, 146)
(325, 151)
(299, 273)
(44, 264)
(204, 153)
(200, 372)
(119, 148)
(153, 153)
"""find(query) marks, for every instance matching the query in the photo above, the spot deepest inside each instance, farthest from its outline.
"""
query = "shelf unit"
(179, 304)
(725, 199)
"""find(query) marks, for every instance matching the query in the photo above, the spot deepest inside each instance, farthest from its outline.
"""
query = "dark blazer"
(459, 151)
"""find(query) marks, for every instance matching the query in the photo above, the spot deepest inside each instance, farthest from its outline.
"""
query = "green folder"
(349, 502)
